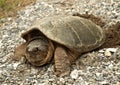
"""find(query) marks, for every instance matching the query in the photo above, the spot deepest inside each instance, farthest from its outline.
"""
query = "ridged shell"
(71, 31)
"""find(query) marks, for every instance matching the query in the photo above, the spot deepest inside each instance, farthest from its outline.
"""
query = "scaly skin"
(63, 59)
(20, 51)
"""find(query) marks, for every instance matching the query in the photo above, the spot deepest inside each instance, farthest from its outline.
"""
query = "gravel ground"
(100, 67)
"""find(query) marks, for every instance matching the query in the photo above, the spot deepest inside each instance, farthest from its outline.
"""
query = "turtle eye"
(35, 49)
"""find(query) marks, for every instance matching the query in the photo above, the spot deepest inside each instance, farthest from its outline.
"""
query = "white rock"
(74, 74)
(98, 74)
(62, 80)
(117, 73)
(118, 83)
(112, 49)
(110, 66)
(15, 65)
(34, 71)
(9, 66)
(45, 83)
(103, 82)
(101, 51)
(108, 53)
(80, 81)
(42, 84)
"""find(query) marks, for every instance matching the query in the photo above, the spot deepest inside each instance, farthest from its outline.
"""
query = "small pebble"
(110, 66)
(62, 80)
(118, 83)
(101, 51)
(108, 53)
(34, 71)
(104, 83)
(112, 50)
(15, 65)
(74, 74)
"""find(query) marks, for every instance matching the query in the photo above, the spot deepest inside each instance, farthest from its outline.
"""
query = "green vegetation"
(10, 7)
(2, 3)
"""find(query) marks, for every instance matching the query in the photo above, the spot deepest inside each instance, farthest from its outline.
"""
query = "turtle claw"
(62, 73)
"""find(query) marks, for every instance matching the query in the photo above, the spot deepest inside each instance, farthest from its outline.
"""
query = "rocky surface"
(101, 67)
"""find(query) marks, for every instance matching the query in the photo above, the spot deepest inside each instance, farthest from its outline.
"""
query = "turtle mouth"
(36, 61)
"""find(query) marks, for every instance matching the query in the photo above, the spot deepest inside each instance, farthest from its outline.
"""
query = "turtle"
(62, 39)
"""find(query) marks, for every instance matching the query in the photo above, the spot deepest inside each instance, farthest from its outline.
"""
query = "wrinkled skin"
(36, 52)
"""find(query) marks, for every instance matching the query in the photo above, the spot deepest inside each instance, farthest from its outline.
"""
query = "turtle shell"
(74, 32)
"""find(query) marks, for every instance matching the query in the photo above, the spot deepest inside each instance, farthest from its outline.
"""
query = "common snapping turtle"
(63, 38)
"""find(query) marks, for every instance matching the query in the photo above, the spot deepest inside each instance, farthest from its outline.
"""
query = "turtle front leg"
(19, 51)
(63, 59)
(62, 63)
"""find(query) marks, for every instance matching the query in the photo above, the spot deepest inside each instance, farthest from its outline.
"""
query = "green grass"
(2, 4)
(10, 7)
(7, 7)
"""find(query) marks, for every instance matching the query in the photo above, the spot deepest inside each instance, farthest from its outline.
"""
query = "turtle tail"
(112, 36)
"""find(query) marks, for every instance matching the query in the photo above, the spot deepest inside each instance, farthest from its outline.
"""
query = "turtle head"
(38, 52)
(39, 48)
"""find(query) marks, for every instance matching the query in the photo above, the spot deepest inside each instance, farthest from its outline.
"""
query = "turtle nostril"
(32, 49)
